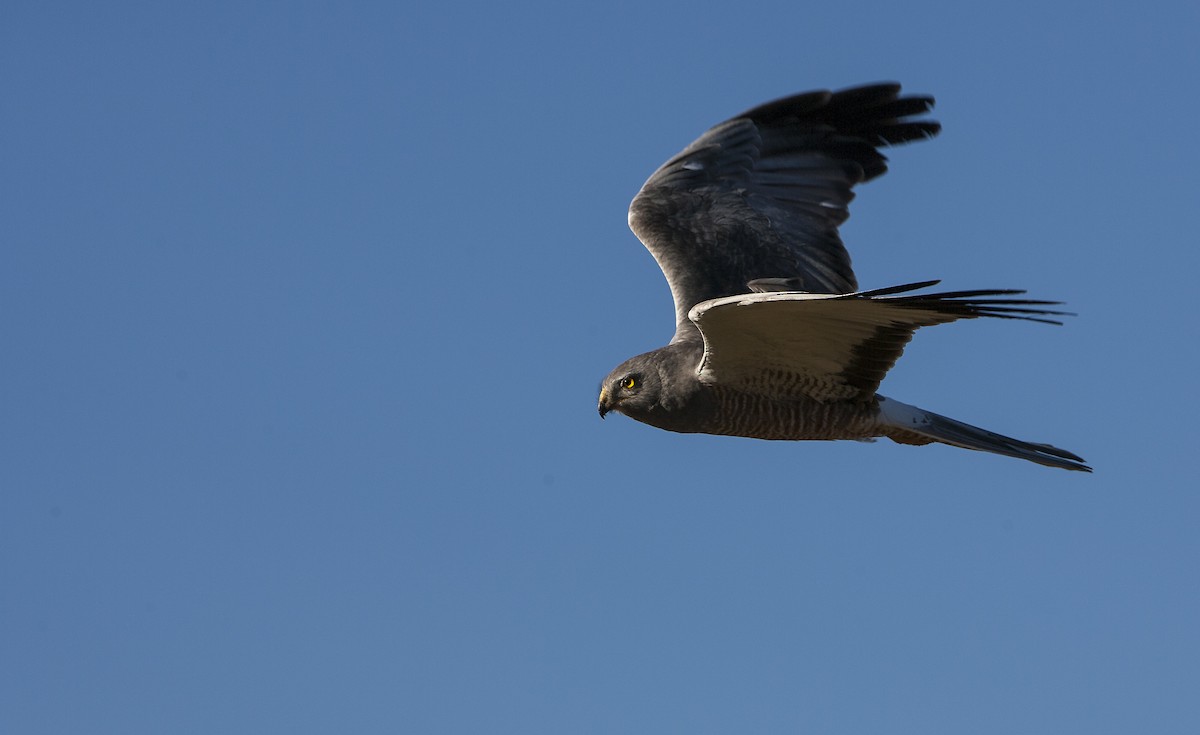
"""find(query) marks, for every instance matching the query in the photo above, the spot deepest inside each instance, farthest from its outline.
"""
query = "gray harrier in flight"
(772, 338)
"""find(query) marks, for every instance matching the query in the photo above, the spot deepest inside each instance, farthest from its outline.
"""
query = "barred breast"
(736, 413)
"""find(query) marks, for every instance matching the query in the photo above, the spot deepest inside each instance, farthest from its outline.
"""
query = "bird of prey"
(773, 339)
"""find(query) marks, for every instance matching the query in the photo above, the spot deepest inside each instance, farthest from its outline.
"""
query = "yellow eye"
(628, 383)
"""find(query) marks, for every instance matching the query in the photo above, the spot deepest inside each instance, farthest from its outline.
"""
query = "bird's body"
(698, 407)
(772, 339)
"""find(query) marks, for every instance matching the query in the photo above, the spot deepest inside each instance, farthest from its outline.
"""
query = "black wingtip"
(896, 289)
(969, 304)
(874, 112)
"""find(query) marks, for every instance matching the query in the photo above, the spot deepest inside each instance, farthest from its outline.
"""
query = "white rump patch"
(902, 415)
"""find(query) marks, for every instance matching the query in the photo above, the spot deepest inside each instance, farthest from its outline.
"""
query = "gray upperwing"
(762, 194)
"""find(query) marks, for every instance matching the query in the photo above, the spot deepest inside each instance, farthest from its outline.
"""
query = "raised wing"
(833, 347)
(761, 196)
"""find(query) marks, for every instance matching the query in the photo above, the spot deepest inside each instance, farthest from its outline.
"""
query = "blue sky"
(305, 306)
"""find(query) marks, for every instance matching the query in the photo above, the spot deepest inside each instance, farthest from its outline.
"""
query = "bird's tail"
(911, 425)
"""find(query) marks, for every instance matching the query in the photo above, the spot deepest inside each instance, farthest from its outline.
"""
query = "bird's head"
(632, 388)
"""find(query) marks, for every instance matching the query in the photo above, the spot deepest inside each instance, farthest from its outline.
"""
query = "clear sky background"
(304, 307)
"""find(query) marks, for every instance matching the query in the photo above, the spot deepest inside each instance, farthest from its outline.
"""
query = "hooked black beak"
(603, 407)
